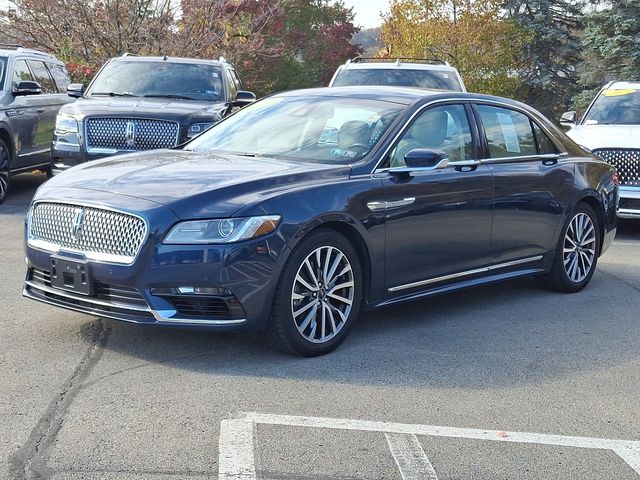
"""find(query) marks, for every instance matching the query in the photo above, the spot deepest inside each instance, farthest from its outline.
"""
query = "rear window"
(615, 107)
(431, 79)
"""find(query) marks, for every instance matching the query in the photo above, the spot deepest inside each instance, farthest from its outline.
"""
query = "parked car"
(32, 90)
(610, 128)
(142, 103)
(401, 72)
(263, 222)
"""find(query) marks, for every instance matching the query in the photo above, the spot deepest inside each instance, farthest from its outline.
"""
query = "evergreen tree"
(549, 78)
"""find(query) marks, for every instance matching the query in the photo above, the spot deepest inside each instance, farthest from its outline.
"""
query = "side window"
(443, 128)
(233, 90)
(60, 76)
(236, 79)
(545, 145)
(43, 77)
(20, 73)
(509, 133)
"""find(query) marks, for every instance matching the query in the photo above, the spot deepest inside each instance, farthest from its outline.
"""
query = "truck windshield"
(399, 77)
(159, 79)
(615, 107)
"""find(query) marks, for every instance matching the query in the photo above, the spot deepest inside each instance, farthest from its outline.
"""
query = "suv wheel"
(5, 170)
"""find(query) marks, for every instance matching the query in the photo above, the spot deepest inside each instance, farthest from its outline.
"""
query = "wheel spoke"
(311, 273)
(325, 266)
(332, 270)
(339, 298)
(311, 316)
(305, 284)
(331, 318)
(300, 311)
(341, 286)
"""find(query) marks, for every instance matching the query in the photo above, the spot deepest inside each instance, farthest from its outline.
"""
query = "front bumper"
(629, 206)
(66, 155)
(158, 289)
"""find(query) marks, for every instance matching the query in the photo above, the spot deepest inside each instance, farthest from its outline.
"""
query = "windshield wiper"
(170, 95)
(115, 94)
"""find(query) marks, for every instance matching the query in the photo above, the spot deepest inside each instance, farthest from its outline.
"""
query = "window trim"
(473, 128)
(486, 157)
(13, 69)
(53, 82)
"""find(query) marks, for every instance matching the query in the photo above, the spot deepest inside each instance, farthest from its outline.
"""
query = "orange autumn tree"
(472, 35)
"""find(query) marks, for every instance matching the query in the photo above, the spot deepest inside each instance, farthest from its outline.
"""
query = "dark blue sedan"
(304, 208)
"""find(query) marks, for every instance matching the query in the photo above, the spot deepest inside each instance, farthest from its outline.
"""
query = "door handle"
(14, 113)
(549, 159)
(40, 110)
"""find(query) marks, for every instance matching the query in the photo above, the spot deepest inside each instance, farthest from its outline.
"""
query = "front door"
(438, 222)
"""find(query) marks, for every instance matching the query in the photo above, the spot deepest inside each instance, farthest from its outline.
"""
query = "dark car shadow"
(23, 187)
(502, 335)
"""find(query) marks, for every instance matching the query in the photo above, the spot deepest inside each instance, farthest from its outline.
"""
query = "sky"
(368, 11)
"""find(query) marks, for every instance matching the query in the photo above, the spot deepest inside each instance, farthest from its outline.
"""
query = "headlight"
(196, 129)
(226, 230)
(66, 124)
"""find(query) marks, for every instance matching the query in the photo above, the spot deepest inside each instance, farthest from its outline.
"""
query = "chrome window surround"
(99, 257)
(111, 151)
(471, 101)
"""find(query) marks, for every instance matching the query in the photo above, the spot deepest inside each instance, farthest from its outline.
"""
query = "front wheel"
(577, 253)
(318, 295)
(5, 171)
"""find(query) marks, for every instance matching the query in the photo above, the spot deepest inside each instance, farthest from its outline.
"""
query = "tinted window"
(432, 79)
(193, 81)
(60, 76)
(43, 77)
(442, 128)
(545, 145)
(3, 69)
(509, 133)
(615, 106)
(21, 73)
(308, 129)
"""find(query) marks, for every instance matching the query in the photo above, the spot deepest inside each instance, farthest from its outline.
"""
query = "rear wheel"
(5, 170)
(318, 295)
(577, 253)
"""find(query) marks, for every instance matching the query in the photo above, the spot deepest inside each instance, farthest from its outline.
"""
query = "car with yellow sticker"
(610, 128)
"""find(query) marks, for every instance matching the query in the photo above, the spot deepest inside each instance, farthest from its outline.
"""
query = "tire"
(577, 252)
(309, 319)
(5, 171)
(48, 171)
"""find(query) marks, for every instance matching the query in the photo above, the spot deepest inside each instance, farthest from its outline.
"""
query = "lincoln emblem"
(78, 225)
(130, 134)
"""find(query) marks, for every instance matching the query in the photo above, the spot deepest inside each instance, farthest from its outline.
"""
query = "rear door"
(532, 180)
(22, 113)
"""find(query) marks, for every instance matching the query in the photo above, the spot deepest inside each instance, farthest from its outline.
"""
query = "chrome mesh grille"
(130, 134)
(626, 161)
(99, 234)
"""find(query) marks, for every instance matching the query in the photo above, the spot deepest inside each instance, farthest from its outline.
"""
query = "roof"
(168, 59)
(10, 50)
(623, 86)
(402, 95)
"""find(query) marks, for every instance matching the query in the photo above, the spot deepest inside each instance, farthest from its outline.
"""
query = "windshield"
(159, 79)
(431, 79)
(312, 129)
(3, 68)
(615, 107)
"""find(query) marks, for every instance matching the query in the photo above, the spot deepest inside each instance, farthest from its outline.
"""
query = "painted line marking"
(236, 447)
(412, 462)
(236, 459)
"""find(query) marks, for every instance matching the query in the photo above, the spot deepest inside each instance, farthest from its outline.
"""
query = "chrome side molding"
(380, 205)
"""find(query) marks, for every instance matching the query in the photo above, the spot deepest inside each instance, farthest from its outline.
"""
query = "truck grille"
(626, 161)
(129, 134)
(99, 234)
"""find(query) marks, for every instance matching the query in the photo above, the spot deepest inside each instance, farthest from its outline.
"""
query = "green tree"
(549, 73)
(611, 43)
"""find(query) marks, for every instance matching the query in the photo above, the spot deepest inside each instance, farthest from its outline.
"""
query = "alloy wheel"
(4, 172)
(579, 249)
(322, 294)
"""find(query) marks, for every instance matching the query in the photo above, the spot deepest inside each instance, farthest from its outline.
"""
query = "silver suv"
(402, 72)
(33, 87)
(610, 128)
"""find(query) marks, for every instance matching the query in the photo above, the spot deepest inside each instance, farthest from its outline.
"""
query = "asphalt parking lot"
(502, 382)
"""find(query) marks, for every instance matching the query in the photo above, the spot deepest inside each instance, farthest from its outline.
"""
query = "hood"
(191, 184)
(164, 108)
(606, 136)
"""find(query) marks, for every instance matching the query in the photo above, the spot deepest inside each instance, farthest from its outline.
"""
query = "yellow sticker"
(618, 92)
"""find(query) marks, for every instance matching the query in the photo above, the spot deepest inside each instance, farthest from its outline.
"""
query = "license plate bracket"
(71, 275)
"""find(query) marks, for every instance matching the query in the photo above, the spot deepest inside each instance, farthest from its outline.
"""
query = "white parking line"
(236, 448)
(412, 462)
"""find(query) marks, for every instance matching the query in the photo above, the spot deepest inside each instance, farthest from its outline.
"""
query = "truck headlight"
(221, 231)
(66, 124)
(196, 129)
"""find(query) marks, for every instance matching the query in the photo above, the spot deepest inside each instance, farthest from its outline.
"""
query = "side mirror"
(569, 119)
(423, 160)
(75, 90)
(244, 98)
(27, 87)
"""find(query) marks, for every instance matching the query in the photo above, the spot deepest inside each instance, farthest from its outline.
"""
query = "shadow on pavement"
(23, 187)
